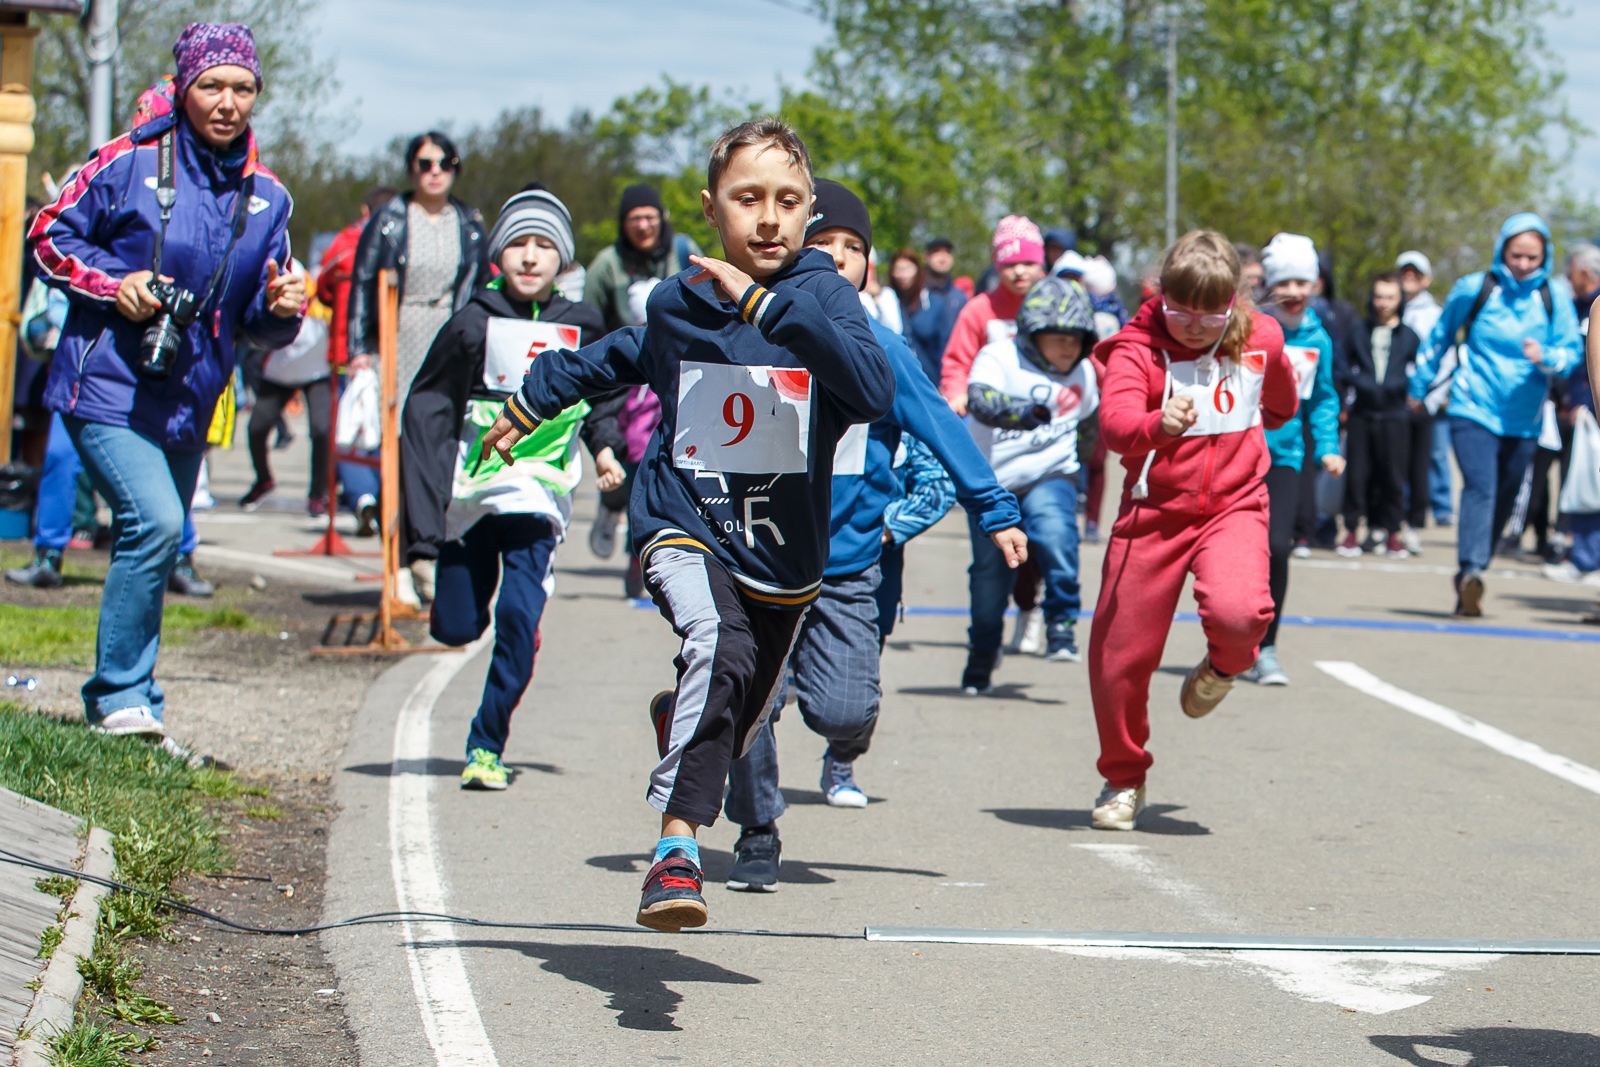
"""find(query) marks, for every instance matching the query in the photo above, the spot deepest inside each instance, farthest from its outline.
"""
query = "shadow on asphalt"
(909, 646)
(1155, 820)
(359, 598)
(812, 796)
(1003, 691)
(1495, 1046)
(636, 978)
(716, 864)
(441, 768)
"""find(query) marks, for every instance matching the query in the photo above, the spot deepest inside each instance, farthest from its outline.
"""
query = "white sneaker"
(123, 722)
(1203, 690)
(1033, 634)
(1301, 552)
(1118, 809)
(405, 591)
(1564, 572)
(603, 534)
(422, 572)
(1412, 540)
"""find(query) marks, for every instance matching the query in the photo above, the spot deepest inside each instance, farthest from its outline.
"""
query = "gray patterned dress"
(433, 259)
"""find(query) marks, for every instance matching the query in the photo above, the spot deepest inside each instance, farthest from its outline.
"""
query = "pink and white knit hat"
(1017, 240)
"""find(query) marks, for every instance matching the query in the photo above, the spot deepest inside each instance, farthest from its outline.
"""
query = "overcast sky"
(407, 64)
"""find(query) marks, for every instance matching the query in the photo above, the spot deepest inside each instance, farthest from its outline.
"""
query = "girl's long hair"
(1202, 271)
(912, 295)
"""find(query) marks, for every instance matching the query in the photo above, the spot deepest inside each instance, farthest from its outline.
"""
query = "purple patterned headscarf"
(203, 45)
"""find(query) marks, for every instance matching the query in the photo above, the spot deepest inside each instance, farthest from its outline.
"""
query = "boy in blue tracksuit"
(1515, 328)
(835, 658)
(1290, 263)
(761, 363)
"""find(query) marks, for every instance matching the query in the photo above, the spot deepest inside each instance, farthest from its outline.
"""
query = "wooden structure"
(384, 639)
(16, 141)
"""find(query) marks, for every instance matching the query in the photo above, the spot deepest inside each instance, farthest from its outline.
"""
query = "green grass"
(64, 636)
(155, 807)
(264, 811)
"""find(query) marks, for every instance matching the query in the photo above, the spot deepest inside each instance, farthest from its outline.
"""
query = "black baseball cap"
(940, 242)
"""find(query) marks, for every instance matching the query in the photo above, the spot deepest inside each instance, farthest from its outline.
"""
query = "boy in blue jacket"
(761, 363)
(836, 655)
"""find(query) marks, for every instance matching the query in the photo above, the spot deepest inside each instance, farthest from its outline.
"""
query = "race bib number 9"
(742, 420)
(1304, 361)
(1226, 394)
(512, 344)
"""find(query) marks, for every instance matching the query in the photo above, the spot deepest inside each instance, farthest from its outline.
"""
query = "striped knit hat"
(535, 211)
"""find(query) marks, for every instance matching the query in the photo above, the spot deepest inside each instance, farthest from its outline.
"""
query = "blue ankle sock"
(687, 844)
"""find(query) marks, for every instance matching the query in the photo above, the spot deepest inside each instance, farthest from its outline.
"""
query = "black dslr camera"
(159, 346)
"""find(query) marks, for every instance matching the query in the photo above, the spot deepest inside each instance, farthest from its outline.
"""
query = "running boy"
(1027, 396)
(487, 524)
(836, 656)
(1188, 384)
(761, 364)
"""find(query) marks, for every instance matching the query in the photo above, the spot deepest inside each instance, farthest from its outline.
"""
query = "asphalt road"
(1317, 809)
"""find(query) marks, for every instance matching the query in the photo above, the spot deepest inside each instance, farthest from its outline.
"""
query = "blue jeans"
(149, 489)
(1492, 469)
(1050, 519)
(835, 665)
(513, 553)
(58, 494)
(1439, 470)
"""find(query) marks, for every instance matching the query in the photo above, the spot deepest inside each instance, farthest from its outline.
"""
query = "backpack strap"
(1490, 284)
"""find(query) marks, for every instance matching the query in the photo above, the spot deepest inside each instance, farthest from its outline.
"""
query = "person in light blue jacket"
(1516, 329)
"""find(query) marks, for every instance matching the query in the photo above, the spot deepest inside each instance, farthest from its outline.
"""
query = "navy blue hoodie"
(811, 352)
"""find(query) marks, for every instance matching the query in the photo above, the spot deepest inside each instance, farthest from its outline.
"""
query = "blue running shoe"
(839, 784)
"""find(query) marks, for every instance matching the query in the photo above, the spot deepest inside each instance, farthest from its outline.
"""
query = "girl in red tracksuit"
(1188, 385)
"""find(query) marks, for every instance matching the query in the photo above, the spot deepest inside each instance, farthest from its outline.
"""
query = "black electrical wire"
(380, 918)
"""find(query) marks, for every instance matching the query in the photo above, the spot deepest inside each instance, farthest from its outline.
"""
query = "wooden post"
(389, 473)
(16, 141)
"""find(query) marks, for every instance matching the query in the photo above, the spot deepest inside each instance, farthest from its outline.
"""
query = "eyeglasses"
(1208, 320)
(444, 166)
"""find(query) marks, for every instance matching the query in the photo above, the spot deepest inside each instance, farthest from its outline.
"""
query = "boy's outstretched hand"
(729, 278)
(1013, 543)
(502, 437)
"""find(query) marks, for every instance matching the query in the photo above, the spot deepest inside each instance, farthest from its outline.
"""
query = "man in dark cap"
(928, 325)
(645, 252)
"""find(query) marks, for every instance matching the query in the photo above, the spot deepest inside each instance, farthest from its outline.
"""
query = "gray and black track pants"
(732, 660)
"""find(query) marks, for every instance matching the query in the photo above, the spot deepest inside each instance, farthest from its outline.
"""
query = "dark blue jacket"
(928, 327)
(859, 501)
(103, 226)
(770, 530)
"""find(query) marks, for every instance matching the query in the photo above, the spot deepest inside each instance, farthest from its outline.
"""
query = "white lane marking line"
(1580, 775)
(1373, 983)
(283, 565)
(438, 974)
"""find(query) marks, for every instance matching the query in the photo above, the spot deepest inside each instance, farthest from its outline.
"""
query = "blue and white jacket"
(1495, 385)
(860, 501)
(103, 226)
(755, 396)
(1319, 403)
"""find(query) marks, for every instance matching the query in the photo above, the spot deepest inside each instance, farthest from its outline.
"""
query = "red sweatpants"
(1147, 558)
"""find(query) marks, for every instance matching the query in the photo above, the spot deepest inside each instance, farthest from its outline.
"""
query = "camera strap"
(167, 197)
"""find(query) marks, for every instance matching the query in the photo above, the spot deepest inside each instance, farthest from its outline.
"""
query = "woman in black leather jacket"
(440, 248)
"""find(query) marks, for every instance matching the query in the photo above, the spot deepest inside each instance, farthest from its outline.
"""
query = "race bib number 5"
(1226, 394)
(512, 344)
(742, 420)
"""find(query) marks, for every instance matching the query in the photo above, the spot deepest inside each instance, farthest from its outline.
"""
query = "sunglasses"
(1211, 320)
(444, 166)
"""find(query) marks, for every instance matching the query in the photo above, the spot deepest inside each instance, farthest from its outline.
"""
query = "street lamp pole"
(102, 52)
(1172, 123)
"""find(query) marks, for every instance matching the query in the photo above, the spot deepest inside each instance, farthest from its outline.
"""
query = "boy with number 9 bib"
(761, 363)
(1187, 387)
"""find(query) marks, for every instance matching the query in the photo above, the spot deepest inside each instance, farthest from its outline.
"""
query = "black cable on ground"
(379, 918)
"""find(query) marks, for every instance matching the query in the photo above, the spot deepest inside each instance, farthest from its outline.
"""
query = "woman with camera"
(171, 245)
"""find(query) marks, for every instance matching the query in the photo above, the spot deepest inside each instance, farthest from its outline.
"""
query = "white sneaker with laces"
(1118, 809)
(405, 591)
(127, 721)
(603, 534)
(1563, 572)
(1301, 552)
(1033, 637)
(1412, 540)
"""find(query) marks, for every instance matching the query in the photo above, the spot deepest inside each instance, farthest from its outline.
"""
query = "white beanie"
(1069, 262)
(1099, 276)
(1290, 257)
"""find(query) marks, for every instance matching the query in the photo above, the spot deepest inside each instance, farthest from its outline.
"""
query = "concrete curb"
(57, 996)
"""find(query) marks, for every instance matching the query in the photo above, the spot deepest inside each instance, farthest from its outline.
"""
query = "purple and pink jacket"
(103, 226)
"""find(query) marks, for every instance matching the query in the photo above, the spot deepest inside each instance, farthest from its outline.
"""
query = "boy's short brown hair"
(761, 132)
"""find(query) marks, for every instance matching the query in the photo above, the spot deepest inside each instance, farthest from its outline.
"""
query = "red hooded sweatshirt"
(970, 333)
(1190, 475)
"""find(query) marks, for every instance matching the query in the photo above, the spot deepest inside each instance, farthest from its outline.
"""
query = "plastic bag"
(304, 360)
(360, 424)
(1580, 493)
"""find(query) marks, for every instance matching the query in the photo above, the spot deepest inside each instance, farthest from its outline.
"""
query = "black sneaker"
(755, 861)
(1061, 643)
(1469, 595)
(977, 679)
(258, 492)
(671, 897)
(43, 573)
(185, 582)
